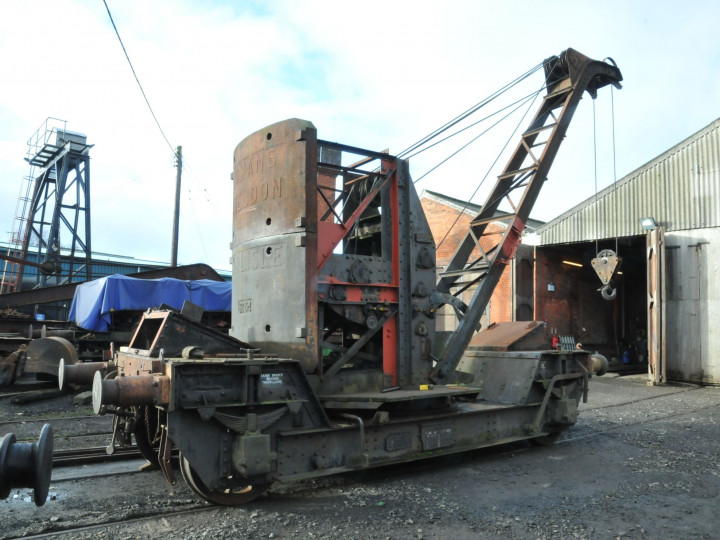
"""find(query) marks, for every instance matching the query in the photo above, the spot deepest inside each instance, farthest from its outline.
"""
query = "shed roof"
(680, 189)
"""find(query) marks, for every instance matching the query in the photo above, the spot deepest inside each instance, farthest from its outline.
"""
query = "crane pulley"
(606, 265)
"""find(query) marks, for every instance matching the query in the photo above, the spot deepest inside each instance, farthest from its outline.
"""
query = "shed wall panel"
(693, 305)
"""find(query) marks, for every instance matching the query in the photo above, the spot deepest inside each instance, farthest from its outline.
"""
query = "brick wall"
(441, 217)
(574, 307)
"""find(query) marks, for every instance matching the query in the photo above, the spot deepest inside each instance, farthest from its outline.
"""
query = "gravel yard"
(642, 462)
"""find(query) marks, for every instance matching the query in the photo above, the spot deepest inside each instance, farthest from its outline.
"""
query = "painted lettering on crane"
(255, 193)
(261, 257)
(256, 182)
(257, 163)
(271, 378)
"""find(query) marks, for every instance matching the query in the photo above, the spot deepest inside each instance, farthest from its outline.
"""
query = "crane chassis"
(334, 362)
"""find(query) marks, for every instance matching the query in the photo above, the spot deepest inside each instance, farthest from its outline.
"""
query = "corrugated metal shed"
(106, 265)
(680, 189)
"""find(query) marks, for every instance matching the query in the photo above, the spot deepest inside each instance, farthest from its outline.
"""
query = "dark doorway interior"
(568, 299)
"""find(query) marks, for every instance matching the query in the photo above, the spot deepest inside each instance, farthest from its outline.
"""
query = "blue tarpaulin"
(94, 300)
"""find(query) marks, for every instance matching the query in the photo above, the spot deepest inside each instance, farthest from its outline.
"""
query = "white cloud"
(375, 74)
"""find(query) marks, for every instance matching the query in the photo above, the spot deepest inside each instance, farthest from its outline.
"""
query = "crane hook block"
(606, 265)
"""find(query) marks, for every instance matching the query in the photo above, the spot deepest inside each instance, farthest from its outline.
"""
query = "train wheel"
(226, 498)
(146, 434)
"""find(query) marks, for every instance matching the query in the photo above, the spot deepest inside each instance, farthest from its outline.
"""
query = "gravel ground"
(642, 462)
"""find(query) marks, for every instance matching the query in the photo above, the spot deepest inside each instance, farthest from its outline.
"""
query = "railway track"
(72, 435)
(620, 421)
(46, 420)
(85, 456)
(89, 529)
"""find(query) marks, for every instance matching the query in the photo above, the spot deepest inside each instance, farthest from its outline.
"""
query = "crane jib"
(568, 76)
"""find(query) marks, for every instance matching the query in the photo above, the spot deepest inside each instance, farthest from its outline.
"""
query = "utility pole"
(176, 219)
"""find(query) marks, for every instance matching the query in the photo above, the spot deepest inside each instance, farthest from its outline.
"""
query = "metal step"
(517, 172)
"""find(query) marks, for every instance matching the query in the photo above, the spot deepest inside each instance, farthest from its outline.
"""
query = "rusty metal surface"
(416, 394)
(505, 336)
(80, 373)
(656, 302)
(606, 264)
(270, 180)
(9, 365)
(171, 332)
(130, 391)
(569, 76)
(504, 377)
(274, 241)
(43, 355)
(132, 364)
(346, 296)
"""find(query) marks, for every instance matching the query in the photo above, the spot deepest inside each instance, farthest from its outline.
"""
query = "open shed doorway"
(567, 297)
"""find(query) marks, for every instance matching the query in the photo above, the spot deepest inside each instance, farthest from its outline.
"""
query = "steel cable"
(487, 173)
(521, 103)
(469, 111)
(465, 115)
(521, 100)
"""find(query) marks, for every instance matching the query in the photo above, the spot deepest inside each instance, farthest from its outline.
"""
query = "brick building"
(449, 221)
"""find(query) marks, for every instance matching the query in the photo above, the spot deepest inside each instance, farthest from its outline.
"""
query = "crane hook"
(608, 293)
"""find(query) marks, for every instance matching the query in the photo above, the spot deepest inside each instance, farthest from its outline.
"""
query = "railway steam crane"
(333, 363)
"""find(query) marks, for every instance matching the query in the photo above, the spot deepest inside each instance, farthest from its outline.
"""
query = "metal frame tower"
(55, 227)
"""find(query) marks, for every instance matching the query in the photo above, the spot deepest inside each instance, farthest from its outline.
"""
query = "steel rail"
(119, 522)
(98, 454)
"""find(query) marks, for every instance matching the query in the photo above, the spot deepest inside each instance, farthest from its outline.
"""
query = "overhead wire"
(417, 146)
(127, 57)
(612, 116)
(199, 183)
(197, 228)
(458, 132)
(173, 149)
(205, 195)
(467, 113)
(597, 209)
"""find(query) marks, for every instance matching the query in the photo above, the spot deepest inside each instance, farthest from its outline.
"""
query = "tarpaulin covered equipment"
(95, 300)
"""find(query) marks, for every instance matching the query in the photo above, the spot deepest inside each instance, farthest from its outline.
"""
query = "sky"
(373, 74)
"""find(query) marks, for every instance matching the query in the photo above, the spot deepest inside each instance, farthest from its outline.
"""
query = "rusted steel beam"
(66, 292)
